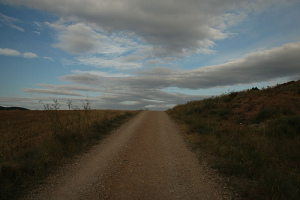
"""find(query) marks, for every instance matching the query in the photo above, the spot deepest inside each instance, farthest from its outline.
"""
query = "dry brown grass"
(31, 142)
(253, 135)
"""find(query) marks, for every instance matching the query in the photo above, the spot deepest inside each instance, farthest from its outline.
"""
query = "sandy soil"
(146, 158)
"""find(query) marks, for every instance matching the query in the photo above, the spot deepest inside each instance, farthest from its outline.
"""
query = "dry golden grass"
(31, 142)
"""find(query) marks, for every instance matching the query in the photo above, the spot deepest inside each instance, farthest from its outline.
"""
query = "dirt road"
(146, 158)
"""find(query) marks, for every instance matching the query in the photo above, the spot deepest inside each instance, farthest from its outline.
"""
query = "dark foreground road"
(146, 158)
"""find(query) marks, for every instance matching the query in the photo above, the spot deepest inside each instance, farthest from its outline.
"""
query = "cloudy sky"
(135, 54)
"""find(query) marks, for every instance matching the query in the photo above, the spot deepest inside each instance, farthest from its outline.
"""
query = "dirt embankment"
(146, 158)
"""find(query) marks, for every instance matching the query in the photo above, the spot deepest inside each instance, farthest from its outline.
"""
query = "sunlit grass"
(31, 142)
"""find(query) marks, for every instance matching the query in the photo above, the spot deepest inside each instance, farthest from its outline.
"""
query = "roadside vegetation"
(33, 142)
(253, 137)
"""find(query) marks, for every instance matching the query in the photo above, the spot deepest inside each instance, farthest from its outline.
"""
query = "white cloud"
(9, 52)
(76, 38)
(172, 27)
(118, 63)
(79, 38)
(95, 47)
(38, 25)
(10, 21)
(29, 55)
(13, 52)
(48, 58)
(17, 28)
(66, 61)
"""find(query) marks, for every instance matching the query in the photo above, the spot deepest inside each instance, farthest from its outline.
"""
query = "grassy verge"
(251, 136)
(32, 142)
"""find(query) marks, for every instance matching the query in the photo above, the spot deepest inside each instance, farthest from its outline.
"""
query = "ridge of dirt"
(146, 158)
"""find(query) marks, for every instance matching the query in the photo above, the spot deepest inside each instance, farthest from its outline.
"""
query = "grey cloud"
(86, 79)
(173, 27)
(152, 99)
(156, 62)
(69, 87)
(254, 67)
(100, 73)
(145, 87)
(118, 63)
(119, 89)
(50, 91)
(158, 71)
(133, 58)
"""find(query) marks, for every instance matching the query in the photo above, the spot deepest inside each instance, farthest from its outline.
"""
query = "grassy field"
(252, 136)
(32, 142)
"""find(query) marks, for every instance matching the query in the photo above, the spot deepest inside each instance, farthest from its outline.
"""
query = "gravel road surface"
(146, 158)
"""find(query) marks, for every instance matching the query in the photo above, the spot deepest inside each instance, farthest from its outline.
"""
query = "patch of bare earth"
(146, 158)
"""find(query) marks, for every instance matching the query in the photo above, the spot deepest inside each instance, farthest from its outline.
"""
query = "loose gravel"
(146, 158)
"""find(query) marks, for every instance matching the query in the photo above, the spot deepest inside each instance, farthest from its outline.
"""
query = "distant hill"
(12, 108)
(252, 106)
(252, 136)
